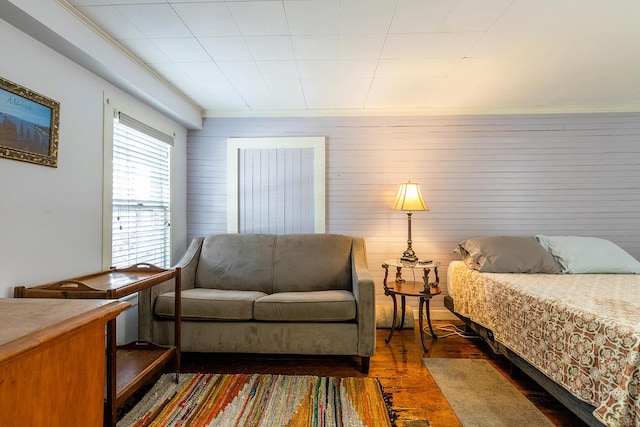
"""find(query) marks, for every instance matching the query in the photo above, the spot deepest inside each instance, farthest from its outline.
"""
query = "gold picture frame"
(29, 125)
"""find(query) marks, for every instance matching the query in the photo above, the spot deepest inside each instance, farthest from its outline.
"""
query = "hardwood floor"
(399, 367)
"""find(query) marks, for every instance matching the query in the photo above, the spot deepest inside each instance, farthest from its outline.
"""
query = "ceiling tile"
(203, 73)
(355, 46)
(432, 45)
(492, 81)
(529, 17)
(313, 17)
(182, 49)
(257, 18)
(598, 89)
(315, 47)
(117, 2)
(215, 91)
(317, 70)
(356, 68)
(256, 94)
(420, 16)
(270, 48)
(405, 93)
(287, 94)
(226, 48)
(536, 43)
(155, 20)
(240, 72)
(416, 68)
(145, 50)
(194, 1)
(276, 70)
(473, 15)
(319, 94)
(351, 93)
(366, 16)
(176, 76)
(79, 3)
(407, 45)
(111, 20)
(207, 19)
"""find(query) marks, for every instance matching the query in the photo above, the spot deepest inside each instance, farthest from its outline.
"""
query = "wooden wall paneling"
(480, 175)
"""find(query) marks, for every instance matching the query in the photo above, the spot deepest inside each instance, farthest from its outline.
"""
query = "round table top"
(397, 262)
(411, 289)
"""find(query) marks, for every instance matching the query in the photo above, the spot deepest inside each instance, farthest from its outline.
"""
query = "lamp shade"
(409, 198)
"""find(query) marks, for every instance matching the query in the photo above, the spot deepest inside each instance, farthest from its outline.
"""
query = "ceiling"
(384, 56)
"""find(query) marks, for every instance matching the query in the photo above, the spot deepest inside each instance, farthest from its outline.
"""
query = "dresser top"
(28, 323)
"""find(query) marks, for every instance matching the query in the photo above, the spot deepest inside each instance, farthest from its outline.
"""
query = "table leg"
(420, 322)
(177, 322)
(110, 412)
(433, 334)
(393, 321)
(424, 304)
(404, 307)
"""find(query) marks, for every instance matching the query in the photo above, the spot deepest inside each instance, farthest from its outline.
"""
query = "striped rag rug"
(258, 400)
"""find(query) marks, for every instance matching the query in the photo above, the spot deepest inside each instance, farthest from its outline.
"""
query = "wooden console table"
(52, 361)
(128, 367)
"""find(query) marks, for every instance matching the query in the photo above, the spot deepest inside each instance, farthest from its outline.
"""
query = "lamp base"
(409, 256)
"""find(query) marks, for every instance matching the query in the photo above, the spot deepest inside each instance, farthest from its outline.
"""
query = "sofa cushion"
(237, 261)
(312, 262)
(209, 304)
(314, 306)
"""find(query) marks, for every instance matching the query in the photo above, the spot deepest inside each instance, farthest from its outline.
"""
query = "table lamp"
(410, 200)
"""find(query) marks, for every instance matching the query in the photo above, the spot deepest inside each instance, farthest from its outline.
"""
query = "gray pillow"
(582, 255)
(507, 254)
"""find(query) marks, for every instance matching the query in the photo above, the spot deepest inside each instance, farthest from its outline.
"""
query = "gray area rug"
(480, 396)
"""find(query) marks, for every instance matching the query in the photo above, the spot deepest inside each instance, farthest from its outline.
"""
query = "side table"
(422, 289)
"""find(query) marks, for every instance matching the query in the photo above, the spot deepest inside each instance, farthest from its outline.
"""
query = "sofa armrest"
(364, 293)
(147, 297)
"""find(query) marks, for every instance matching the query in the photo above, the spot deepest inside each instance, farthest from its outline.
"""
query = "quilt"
(580, 330)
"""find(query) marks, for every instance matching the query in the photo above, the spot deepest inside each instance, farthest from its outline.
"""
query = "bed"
(577, 334)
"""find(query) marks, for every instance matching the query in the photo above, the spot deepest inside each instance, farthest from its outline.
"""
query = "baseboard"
(442, 314)
(384, 314)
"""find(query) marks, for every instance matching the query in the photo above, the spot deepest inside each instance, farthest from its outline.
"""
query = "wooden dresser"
(132, 365)
(52, 361)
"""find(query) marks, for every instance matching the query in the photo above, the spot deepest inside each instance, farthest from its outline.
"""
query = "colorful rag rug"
(261, 400)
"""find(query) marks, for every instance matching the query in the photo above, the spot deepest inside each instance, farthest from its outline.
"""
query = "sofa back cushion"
(241, 262)
(312, 262)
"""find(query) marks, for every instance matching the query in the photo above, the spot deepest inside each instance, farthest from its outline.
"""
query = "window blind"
(141, 194)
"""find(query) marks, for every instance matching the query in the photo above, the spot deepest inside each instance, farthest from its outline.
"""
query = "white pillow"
(578, 255)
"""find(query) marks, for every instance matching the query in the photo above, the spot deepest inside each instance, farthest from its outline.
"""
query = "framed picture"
(29, 125)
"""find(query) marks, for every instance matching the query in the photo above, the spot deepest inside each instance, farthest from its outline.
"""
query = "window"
(141, 198)
(276, 185)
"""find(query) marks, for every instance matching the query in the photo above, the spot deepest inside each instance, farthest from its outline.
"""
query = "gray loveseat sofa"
(262, 293)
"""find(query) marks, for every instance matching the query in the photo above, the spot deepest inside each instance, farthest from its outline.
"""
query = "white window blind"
(141, 194)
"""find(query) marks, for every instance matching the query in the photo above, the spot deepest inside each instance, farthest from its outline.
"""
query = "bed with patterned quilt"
(565, 309)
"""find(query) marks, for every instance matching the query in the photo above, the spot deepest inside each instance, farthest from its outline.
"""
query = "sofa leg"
(365, 364)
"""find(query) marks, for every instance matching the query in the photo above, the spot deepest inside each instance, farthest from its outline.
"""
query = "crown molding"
(461, 111)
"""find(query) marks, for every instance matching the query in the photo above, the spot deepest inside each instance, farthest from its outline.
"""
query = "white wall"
(51, 218)
(480, 175)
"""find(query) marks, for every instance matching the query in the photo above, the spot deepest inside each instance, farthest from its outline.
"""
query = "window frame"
(110, 107)
(316, 143)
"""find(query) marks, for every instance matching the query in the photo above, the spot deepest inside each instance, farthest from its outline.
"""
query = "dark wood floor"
(398, 365)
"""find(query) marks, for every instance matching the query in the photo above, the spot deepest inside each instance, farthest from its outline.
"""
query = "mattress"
(580, 330)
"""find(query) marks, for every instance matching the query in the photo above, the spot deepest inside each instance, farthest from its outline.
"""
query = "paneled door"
(276, 185)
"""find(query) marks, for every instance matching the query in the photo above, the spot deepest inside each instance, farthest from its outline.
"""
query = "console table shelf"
(132, 365)
(136, 364)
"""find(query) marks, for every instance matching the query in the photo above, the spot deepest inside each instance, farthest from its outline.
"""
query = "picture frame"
(29, 125)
